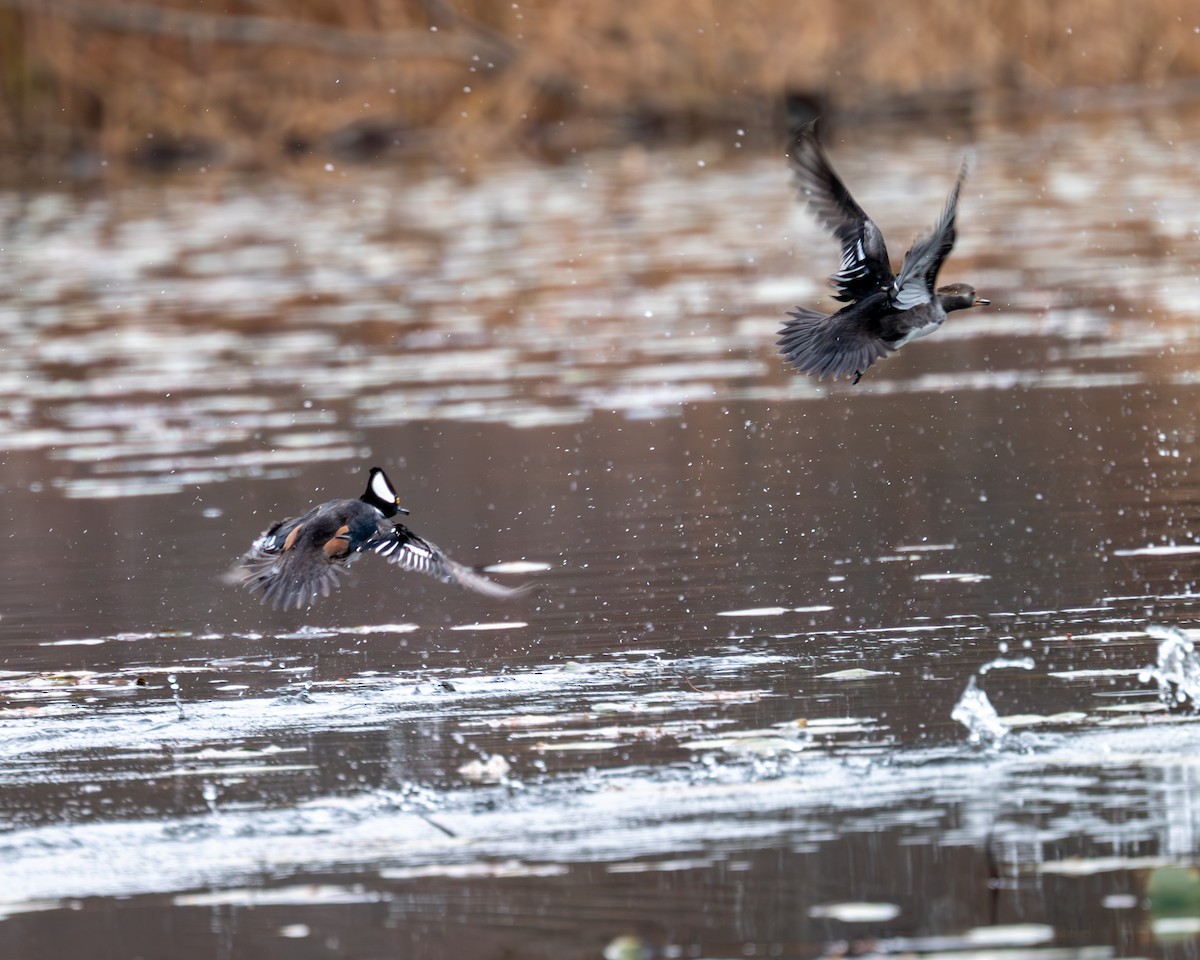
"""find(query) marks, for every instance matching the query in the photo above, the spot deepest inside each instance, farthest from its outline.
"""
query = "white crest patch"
(382, 489)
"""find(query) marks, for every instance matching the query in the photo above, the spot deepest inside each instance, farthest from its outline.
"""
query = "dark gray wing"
(865, 264)
(837, 346)
(290, 576)
(405, 549)
(918, 274)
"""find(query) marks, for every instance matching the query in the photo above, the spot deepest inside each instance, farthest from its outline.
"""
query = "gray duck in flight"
(883, 310)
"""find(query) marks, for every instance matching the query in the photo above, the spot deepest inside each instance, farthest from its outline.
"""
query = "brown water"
(721, 726)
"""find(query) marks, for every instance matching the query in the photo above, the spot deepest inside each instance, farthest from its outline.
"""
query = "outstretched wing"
(865, 264)
(290, 571)
(404, 548)
(917, 279)
(837, 346)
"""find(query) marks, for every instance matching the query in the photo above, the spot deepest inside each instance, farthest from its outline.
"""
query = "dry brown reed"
(171, 82)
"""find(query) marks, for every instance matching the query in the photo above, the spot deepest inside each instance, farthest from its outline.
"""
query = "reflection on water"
(181, 335)
(727, 722)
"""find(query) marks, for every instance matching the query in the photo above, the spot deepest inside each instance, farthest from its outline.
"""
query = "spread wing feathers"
(405, 549)
(829, 346)
(296, 560)
(288, 578)
(865, 264)
(918, 274)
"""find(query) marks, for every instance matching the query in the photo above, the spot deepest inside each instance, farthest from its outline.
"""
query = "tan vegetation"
(173, 82)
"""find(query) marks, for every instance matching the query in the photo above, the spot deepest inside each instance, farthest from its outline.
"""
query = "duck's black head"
(381, 494)
(959, 296)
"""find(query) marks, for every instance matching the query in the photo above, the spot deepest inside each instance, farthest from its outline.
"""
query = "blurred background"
(268, 84)
(810, 669)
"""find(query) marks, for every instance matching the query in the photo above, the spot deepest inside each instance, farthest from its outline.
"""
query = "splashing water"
(210, 793)
(975, 712)
(176, 695)
(1177, 672)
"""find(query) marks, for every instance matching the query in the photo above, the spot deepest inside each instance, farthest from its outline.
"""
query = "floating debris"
(1161, 550)
(518, 566)
(854, 673)
(1011, 935)
(856, 912)
(491, 770)
(774, 611)
(956, 577)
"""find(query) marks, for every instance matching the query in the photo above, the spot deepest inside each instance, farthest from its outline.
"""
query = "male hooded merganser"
(884, 311)
(299, 557)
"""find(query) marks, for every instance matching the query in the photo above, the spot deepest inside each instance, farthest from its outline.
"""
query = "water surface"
(721, 725)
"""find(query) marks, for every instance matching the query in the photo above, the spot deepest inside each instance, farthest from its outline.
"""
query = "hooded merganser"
(299, 557)
(884, 311)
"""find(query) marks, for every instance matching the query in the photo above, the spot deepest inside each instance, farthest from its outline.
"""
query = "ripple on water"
(197, 298)
(619, 724)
